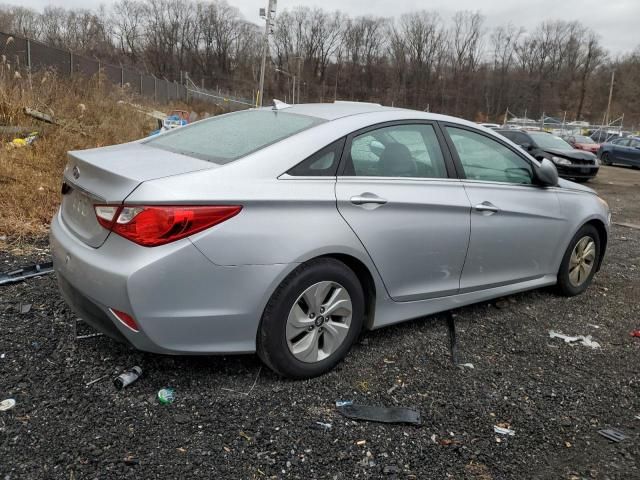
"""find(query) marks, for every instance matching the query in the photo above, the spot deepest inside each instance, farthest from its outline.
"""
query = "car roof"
(333, 111)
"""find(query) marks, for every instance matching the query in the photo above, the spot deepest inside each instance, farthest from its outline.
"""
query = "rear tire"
(580, 262)
(297, 338)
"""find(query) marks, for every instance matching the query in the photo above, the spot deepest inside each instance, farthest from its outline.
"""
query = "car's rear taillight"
(155, 225)
(126, 319)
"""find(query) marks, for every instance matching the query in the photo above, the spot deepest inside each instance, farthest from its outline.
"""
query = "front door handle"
(488, 207)
(366, 198)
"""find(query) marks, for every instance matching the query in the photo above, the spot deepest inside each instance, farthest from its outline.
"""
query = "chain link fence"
(23, 53)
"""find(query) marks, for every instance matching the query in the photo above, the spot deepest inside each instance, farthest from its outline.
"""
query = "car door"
(619, 150)
(397, 191)
(516, 226)
(634, 153)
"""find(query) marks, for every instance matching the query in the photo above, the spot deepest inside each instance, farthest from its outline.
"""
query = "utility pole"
(299, 77)
(268, 15)
(606, 117)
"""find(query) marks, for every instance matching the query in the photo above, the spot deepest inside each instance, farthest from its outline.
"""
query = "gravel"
(234, 419)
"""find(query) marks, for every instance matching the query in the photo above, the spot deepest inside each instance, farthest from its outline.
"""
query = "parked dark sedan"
(573, 164)
(625, 151)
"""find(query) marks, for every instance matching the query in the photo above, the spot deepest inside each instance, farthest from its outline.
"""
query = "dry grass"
(30, 177)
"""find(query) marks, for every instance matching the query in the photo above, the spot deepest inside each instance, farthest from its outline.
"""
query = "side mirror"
(546, 173)
(527, 147)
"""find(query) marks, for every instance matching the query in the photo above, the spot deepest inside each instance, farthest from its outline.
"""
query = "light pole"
(293, 77)
(268, 15)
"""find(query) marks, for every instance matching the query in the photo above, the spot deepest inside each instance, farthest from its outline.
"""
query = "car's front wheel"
(580, 262)
(605, 159)
(312, 319)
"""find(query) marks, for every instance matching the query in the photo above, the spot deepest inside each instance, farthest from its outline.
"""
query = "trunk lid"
(107, 176)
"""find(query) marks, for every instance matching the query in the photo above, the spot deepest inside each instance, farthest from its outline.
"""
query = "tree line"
(422, 60)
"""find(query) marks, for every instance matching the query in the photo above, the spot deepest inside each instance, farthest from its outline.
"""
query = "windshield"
(226, 138)
(583, 139)
(546, 140)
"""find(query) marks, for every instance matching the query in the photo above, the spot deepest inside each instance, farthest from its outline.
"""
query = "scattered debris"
(612, 434)
(391, 470)
(586, 341)
(636, 333)
(343, 403)
(23, 141)
(381, 414)
(252, 386)
(325, 426)
(392, 389)
(40, 116)
(127, 378)
(26, 272)
(466, 365)
(361, 442)
(628, 225)
(7, 404)
(25, 308)
(166, 396)
(90, 335)
(96, 380)
(637, 417)
(503, 431)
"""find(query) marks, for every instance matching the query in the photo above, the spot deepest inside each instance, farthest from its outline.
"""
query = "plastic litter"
(26, 272)
(7, 404)
(342, 403)
(635, 333)
(466, 365)
(503, 431)
(612, 434)
(586, 341)
(25, 308)
(380, 414)
(326, 426)
(166, 396)
(127, 378)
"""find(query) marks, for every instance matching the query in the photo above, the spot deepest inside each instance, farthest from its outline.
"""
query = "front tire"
(605, 159)
(580, 262)
(311, 320)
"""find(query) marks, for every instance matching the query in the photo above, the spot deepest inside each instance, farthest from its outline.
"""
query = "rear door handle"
(488, 207)
(366, 198)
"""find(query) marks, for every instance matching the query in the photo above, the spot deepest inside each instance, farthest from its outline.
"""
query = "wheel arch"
(604, 238)
(366, 280)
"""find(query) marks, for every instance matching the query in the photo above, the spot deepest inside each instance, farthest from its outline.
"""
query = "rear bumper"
(182, 303)
(577, 171)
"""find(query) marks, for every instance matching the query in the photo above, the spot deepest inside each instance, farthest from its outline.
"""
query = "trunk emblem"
(75, 172)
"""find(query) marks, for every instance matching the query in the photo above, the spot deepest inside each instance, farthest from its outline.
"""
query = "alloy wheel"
(319, 321)
(582, 261)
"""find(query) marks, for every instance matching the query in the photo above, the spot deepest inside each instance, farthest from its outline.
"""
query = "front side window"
(485, 159)
(228, 137)
(623, 142)
(396, 151)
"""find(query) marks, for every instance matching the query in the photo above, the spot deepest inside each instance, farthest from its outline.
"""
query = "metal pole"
(299, 78)
(29, 54)
(606, 118)
(293, 97)
(265, 47)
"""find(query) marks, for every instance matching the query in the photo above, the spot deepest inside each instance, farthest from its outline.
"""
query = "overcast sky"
(617, 21)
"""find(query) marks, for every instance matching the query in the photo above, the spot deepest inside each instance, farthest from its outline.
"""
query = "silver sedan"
(287, 231)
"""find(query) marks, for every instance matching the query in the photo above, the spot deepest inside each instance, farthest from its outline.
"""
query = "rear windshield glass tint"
(226, 138)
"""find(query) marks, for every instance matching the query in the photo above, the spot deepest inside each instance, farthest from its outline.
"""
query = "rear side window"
(323, 163)
(396, 151)
(226, 138)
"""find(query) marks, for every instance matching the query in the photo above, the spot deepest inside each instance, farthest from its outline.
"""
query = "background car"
(623, 151)
(582, 142)
(287, 232)
(571, 163)
(603, 136)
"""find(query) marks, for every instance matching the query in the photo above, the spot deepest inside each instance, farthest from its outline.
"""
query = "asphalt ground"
(233, 418)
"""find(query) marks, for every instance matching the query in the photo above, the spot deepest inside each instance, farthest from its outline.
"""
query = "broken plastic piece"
(612, 434)
(635, 333)
(7, 404)
(325, 426)
(342, 403)
(381, 414)
(586, 341)
(25, 308)
(26, 272)
(503, 431)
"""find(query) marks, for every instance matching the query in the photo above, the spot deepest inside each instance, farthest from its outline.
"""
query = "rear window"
(226, 138)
